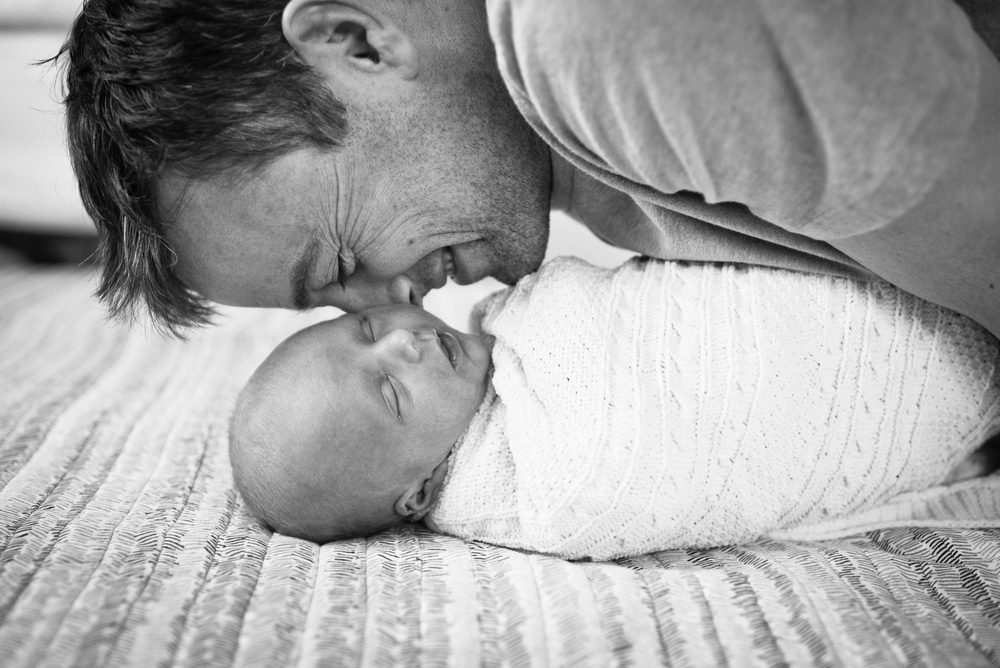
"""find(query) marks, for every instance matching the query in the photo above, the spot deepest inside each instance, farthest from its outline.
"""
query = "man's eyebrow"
(303, 268)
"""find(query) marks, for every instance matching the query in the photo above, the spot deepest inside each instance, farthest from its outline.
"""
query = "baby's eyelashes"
(366, 325)
(391, 398)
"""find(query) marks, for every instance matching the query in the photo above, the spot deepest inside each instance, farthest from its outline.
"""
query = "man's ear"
(330, 36)
(417, 501)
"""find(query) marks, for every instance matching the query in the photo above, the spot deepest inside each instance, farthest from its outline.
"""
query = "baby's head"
(346, 427)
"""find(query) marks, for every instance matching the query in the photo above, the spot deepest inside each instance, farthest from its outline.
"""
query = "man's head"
(298, 153)
(346, 427)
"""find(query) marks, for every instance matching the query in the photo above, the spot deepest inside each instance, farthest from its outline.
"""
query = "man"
(317, 152)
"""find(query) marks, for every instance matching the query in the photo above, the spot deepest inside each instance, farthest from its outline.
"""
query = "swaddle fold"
(663, 405)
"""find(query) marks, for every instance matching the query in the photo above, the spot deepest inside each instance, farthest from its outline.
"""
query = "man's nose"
(402, 290)
(406, 344)
(363, 293)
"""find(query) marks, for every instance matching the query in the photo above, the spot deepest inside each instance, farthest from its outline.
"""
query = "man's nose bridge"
(401, 291)
(369, 293)
(366, 291)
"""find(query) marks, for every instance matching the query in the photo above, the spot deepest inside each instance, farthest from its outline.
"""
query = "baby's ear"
(417, 501)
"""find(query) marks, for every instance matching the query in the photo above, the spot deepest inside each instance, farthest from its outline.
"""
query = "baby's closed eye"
(391, 397)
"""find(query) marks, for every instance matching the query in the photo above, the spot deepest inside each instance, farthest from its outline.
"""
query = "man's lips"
(454, 268)
(448, 263)
(442, 266)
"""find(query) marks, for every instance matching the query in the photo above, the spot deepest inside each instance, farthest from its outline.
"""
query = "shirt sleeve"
(828, 119)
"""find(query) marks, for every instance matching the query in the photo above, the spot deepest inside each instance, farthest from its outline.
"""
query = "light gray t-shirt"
(744, 131)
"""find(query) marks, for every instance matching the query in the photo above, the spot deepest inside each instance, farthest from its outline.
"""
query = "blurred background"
(41, 217)
(40, 212)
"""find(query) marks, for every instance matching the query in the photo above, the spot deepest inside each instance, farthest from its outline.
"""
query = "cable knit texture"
(664, 405)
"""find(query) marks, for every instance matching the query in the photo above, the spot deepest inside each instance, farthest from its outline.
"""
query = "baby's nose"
(424, 335)
(409, 343)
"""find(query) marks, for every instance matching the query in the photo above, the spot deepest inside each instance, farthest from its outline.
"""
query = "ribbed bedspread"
(122, 543)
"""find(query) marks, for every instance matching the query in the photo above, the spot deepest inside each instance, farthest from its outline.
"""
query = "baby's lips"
(451, 346)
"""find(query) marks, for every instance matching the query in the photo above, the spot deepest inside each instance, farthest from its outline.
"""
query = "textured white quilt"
(666, 405)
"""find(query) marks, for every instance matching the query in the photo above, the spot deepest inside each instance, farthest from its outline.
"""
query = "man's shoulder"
(567, 22)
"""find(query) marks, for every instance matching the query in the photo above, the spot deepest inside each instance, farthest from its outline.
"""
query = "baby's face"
(351, 420)
(402, 380)
(412, 371)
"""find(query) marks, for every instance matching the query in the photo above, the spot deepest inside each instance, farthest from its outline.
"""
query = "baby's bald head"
(346, 427)
(300, 458)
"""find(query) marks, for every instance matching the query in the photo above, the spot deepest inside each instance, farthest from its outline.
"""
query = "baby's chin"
(479, 349)
(488, 341)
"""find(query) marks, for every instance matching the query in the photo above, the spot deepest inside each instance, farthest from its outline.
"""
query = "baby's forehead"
(309, 363)
(314, 344)
(328, 374)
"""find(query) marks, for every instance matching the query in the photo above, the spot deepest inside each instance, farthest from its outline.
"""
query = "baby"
(610, 412)
(346, 427)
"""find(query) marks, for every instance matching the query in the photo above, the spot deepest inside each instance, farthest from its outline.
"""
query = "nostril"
(424, 335)
(415, 298)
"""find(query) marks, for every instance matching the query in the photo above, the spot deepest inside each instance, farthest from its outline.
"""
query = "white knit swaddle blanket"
(664, 405)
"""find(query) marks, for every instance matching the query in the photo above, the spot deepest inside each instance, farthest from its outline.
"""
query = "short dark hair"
(187, 87)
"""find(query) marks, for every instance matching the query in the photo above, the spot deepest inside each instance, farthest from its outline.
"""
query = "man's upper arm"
(825, 118)
(832, 119)
(947, 248)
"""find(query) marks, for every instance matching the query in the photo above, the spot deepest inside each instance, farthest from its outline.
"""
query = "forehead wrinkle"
(322, 231)
(343, 203)
(302, 270)
(383, 232)
(412, 230)
(328, 205)
(325, 227)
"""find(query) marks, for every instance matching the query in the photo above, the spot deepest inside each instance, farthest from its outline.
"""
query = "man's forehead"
(208, 204)
(303, 268)
(240, 242)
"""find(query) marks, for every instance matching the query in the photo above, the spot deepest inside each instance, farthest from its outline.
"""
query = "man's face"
(455, 186)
